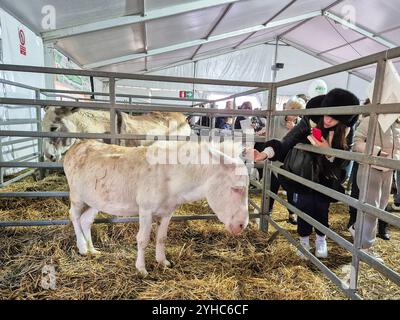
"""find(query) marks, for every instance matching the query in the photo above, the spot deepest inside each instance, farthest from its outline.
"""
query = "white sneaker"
(352, 231)
(373, 254)
(321, 248)
(305, 245)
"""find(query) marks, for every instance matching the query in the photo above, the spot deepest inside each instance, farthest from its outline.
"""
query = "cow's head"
(58, 119)
(227, 191)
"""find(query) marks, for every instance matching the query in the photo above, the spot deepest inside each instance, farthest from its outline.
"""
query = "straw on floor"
(208, 263)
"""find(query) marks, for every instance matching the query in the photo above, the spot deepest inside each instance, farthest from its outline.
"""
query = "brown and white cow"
(59, 119)
(128, 181)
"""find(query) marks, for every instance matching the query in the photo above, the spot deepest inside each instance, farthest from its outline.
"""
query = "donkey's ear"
(64, 112)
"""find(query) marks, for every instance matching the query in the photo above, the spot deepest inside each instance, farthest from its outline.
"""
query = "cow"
(127, 181)
(61, 119)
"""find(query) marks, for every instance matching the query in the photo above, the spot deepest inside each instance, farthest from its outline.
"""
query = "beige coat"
(388, 141)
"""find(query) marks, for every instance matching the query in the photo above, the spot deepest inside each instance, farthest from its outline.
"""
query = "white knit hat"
(295, 103)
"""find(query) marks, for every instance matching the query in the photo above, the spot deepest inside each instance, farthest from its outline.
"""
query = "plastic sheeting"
(253, 64)
(318, 34)
(11, 55)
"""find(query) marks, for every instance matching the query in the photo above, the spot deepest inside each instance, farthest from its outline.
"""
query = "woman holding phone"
(334, 131)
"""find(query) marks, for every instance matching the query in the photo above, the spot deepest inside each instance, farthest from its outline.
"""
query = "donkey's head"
(58, 119)
(227, 191)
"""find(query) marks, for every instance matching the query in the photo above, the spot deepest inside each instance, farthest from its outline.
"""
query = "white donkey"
(129, 181)
(60, 119)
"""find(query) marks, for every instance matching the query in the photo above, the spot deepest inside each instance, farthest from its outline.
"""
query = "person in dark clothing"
(282, 125)
(327, 171)
(224, 122)
(204, 120)
(245, 106)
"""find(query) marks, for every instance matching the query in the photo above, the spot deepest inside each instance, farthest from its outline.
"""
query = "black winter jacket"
(334, 173)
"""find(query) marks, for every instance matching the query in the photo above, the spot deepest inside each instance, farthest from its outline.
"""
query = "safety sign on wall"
(22, 42)
(186, 94)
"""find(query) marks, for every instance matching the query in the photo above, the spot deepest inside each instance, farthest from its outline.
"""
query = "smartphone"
(317, 134)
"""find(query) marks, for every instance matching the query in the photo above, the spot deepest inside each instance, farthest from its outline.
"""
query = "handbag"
(300, 163)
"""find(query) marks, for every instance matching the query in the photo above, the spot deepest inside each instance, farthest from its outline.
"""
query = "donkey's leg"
(86, 222)
(143, 237)
(75, 213)
(161, 239)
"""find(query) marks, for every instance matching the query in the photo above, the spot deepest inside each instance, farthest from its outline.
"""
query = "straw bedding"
(208, 263)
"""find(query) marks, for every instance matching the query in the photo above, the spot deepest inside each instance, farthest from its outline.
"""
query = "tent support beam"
(128, 20)
(305, 21)
(360, 30)
(198, 42)
(211, 55)
(227, 9)
(324, 59)
(265, 23)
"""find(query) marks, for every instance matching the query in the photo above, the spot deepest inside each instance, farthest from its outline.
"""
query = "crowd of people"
(342, 132)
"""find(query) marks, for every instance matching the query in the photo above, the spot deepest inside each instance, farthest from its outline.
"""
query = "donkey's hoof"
(166, 263)
(143, 273)
(94, 252)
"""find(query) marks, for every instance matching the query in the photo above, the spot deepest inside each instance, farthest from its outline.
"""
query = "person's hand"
(259, 156)
(290, 125)
(255, 155)
(320, 144)
(384, 154)
(262, 132)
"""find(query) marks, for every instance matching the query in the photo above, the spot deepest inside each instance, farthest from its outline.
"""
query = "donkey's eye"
(53, 129)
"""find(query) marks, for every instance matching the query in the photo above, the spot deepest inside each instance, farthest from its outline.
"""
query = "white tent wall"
(11, 54)
(298, 63)
(153, 88)
(252, 64)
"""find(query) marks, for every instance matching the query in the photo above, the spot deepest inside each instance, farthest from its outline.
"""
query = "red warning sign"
(22, 41)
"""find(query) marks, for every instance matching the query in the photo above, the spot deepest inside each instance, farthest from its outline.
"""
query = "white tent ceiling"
(140, 35)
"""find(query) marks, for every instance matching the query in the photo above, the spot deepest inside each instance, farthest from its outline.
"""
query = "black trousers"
(316, 206)
(355, 193)
(275, 188)
(260, 146)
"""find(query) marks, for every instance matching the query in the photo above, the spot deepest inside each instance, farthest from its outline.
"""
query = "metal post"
(366, 171)
(234, 118)
(275, 71)
(130, 103)
(194, 77)
(348, 80)
(113, 127)
(39, 129)
(265, 201)
(49, 61)
(1, 160)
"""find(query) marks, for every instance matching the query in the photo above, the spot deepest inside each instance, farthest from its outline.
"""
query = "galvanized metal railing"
(265, 218)
(350, 289)
(110, 103)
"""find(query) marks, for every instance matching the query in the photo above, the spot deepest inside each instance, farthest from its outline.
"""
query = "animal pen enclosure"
(112, 104)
